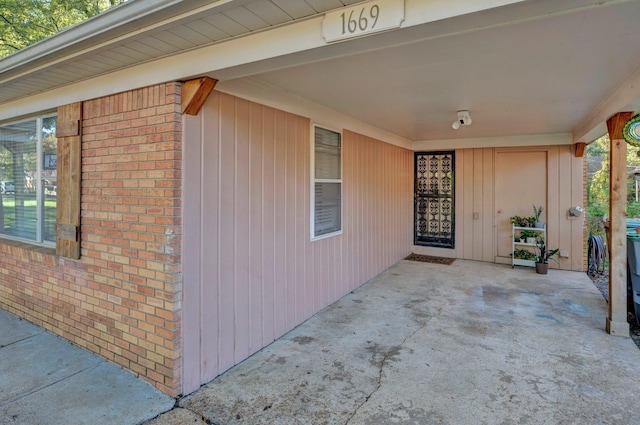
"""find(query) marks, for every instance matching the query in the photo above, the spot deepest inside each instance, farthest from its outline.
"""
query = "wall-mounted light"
(463, 119)
(575, 212)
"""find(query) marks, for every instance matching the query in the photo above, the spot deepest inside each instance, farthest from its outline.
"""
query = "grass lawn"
(27, 211)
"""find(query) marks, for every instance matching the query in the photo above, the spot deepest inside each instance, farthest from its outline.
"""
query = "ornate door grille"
(434, 200)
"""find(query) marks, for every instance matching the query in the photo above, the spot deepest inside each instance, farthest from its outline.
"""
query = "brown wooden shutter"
(69, 134)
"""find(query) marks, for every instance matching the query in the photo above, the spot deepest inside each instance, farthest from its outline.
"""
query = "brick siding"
(121, 300)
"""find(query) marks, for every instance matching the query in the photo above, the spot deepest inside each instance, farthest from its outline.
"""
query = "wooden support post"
(617, 319)
(580, 149)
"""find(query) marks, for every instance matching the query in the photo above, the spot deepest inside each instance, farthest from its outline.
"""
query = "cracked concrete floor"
(469, 343)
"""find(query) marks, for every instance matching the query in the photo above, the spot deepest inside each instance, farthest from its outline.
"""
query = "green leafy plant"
(527, 234)
(524, 254)
(544, 254)
(537, 212)
(521, 221)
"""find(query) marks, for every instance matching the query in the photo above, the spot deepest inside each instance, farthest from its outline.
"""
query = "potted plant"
(543, 257)
(523, 254)
(529, 236)
(518, 221)
(537, 213)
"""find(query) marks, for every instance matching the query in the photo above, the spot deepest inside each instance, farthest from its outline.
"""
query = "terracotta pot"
(542, 268)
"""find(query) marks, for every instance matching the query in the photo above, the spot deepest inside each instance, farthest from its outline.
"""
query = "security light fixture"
(463, 119)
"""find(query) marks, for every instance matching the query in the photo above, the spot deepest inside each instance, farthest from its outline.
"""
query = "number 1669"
(351, 24)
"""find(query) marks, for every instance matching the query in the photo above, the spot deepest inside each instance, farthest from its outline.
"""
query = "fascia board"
(126, 20)
(625, 99)
(494, 142)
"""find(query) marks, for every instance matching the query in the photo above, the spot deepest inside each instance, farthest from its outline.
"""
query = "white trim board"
(495, 142)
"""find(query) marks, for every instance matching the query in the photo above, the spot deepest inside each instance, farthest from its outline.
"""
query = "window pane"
(49, 177)
(327, 154)
(327, 208)
(18, 154)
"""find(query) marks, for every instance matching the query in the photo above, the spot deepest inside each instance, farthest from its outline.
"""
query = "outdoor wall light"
(576, 211)
(463, 119)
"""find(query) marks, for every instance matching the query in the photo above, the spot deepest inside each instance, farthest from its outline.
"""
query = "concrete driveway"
(469, 343)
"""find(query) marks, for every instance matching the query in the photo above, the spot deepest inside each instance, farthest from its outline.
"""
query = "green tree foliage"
(24, 22)
(598, 182)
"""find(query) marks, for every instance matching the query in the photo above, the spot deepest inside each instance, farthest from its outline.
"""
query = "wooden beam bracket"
(194, 93)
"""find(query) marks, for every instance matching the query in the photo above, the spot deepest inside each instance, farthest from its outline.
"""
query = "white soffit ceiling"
(540, 76)
(142, 31)
(534, 67)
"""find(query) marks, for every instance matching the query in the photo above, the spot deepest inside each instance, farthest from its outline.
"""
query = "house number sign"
(362, 19)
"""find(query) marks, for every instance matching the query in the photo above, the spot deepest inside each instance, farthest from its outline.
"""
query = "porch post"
(617, 319)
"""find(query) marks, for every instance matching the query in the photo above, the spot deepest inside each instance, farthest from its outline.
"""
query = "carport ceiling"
(528, 76)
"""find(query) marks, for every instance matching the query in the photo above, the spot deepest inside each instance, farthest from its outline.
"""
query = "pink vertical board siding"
(577, 198)
(488, 201)
(292, 193)
(376, 177)
(280, 225)
(242, 228)
(192, 261)
(226, 229)
(301, 221)
(480, 182)
(209, 249)
(564, 231)
(256, 221)
(253, 271)
(468, 204)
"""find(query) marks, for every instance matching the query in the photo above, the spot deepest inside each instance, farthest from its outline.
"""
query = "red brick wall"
(121, 300)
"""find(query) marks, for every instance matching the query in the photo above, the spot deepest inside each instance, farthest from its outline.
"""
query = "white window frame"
(38, 181)
(314, 181)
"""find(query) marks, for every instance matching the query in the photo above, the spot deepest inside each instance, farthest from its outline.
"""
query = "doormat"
(430, 259)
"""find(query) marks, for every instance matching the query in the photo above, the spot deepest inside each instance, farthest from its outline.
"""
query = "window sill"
(25, 251)
(328, 235)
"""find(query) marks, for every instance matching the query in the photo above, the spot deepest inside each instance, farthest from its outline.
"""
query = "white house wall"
(251, 272)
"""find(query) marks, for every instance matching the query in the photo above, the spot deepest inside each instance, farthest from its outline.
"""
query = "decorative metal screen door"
(434, 200)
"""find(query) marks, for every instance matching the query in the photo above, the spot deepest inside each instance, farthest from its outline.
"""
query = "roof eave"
(107, 25)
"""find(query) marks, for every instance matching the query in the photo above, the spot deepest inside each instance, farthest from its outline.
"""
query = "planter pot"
(542, 268)
(531, 240)
(539, 225)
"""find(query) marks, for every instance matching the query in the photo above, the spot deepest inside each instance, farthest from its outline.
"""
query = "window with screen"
(326, 210)
(28, 180)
